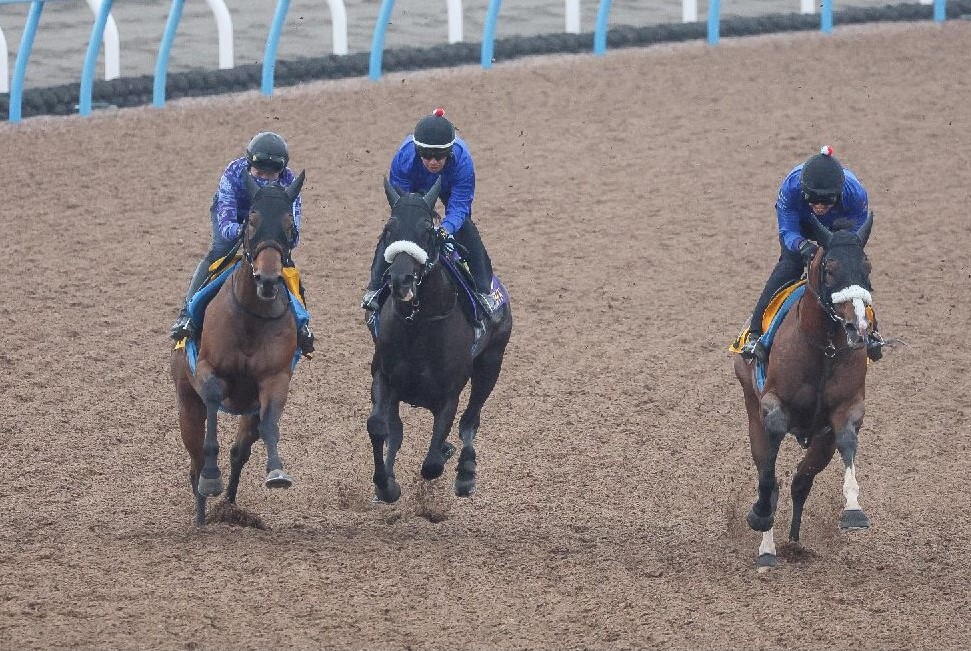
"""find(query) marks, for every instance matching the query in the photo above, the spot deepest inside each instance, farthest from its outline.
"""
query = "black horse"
(423, 348)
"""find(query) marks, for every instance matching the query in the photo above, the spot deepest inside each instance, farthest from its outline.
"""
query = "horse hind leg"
(240, 453)
(485, 374)
(817, 456)
(434, 464)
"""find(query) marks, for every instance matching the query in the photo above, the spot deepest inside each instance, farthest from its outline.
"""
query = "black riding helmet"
(822, 178)
(434, 136)
(268, 151)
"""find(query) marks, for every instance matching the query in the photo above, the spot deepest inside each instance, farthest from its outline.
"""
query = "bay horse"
(815, 384)
(423, 349)
(245, 353)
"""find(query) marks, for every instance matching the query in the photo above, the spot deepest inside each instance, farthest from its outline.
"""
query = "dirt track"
(627, 204)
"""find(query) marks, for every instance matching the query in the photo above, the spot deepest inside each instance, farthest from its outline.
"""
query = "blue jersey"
(408, 174)
(793, 210)
(232, 200)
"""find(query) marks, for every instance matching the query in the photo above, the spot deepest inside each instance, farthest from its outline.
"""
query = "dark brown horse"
(814, 384)
(423, 349)
(245, 353)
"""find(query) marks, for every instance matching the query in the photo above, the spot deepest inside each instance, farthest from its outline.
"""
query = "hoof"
(432, 470)
(465, 487)
(448, 450)
(759, 522)
(278, 479)
(854, 519)
(389, 495)
(210, 487)
(765, 562)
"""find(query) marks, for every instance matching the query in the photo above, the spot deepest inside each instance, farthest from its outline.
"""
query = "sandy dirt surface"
(627, 203)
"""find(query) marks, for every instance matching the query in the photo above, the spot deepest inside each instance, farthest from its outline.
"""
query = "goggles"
(268, 163)
(433, 153)
(820, 198)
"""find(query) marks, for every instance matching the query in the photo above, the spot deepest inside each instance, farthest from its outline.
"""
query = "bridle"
(427, 262)
(827, 301)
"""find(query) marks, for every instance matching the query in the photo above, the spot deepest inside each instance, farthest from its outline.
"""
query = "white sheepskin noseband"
(404, 246)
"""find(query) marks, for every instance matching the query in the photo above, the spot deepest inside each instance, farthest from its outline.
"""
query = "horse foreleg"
(210, 481)
(818, 455)
(434, 464)
(853, 516)
(767, 428)
(273, 398)
(192, 422)
(384, 413)
(239, 454)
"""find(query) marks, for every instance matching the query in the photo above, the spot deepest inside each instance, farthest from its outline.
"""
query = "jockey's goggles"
(819, 198)
(433, 153)
(268, 163)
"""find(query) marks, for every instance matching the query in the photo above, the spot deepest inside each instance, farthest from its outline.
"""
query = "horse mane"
(843, 224)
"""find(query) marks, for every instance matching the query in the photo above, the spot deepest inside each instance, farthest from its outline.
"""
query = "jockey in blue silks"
(434, 152)
(823, 188)
(266, 161)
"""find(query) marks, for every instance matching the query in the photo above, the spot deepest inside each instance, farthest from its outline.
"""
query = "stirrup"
(753, 348)
(874, 346)
(183, 327)
(370, 300)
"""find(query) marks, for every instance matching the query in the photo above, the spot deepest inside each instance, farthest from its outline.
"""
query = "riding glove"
(807, 250)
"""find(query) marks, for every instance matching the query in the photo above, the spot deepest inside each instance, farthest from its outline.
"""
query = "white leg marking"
(768, 543)
(851, 490)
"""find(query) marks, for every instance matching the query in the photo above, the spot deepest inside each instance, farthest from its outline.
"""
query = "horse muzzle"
(268, 289)
(406, 289)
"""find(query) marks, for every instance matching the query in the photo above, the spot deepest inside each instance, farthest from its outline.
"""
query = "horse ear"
(392, 194)
(251, 186)
(864, 232)
(294, 188)
(819, 232)
(432, 195)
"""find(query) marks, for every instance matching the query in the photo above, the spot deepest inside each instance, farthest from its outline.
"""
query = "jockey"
(434, 152)
(823, 188)
(266, 161)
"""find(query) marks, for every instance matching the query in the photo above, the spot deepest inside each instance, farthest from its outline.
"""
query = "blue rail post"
(164, 52)
(23, 54)
(377, 41)
(714, 24)
(272, 39)
(826, 17)
(600, 29)
(939, 11)
(91, 58)
(489, 33)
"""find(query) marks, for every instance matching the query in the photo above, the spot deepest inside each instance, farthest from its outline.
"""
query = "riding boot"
(305, 340)
(184, 326)
(489, 305)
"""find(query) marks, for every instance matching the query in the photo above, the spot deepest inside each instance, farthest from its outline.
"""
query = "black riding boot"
(184, 326)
